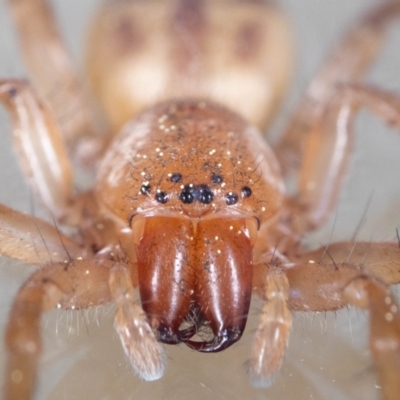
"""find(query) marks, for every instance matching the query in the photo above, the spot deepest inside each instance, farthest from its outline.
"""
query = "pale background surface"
(327, 356)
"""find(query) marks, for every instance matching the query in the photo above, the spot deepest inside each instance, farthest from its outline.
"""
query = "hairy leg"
(145, 353)
(76, 284)
(53, 75)
(328, 150)
(328, 279)
(346, 273)
(32, 240)
(37, 140)
(381, 260)
(349, 62)
(376, 297)
(273, 330)
(42, 156)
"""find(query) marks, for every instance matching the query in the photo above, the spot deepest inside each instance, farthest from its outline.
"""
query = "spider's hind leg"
(41, 151)
(54, 77)
(38, 143)
(319, 138)
(329, 145)
(349, 61)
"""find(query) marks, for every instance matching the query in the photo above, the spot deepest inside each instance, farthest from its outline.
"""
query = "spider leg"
(384, 339)
(273, 330)
(348, 63)
(75, 284)
(53, 75)
(381, 260)
(324, 287)
(38, 142)
(316, 283)
(329, 147)
(145, 353)
(32, 240)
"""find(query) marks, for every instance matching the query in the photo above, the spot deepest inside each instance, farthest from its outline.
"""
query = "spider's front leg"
(321, 131)
(32, 240)
(350, 279)
(358, 277)
(145, 353)
(272, 335)
(356, 274)
(74, 284)
(46, 165)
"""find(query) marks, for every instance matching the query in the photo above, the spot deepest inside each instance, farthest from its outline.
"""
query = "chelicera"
(189, 204)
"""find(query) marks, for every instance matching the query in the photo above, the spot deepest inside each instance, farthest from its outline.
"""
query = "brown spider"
(195, 198)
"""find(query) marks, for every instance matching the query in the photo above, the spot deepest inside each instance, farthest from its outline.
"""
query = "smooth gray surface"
(327, 356)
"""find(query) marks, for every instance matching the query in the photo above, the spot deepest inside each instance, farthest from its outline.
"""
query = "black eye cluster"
(201, 193)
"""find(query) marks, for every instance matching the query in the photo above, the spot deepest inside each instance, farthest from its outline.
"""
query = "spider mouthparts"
(168, 336)
(222, 341)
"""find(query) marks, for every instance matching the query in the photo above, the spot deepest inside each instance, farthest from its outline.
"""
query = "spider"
(330, 252)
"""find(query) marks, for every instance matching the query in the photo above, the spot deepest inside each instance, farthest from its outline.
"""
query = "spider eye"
(246, 191)
(162, 197)
(216, 178)
(176, 177)
(145, 188)
(231, 198)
